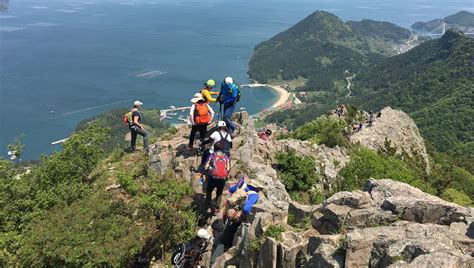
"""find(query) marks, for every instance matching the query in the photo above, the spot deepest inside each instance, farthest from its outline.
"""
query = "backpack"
(201, 114)
(235, 87)
(238, 94)
(127, 119)
(219, 167)
(225, 141)
(178, 256)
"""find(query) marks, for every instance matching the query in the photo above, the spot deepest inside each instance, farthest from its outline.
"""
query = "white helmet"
(228, 80)
(202, 233)
(221, 124)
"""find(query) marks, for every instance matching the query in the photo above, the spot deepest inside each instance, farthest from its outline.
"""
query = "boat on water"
(172, 114)
(172, 107)
(242, 108)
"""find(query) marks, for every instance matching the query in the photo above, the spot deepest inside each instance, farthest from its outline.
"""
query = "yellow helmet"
(210, 83)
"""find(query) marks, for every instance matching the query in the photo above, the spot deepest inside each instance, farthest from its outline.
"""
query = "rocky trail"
(387, 224)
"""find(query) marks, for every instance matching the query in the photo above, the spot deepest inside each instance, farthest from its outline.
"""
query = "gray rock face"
(388, 224)
(414, 205)
(406, 241)
(397, 130)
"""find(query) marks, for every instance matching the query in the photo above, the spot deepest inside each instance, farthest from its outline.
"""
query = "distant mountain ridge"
(435, 83)
(463, 21)
(321, 47)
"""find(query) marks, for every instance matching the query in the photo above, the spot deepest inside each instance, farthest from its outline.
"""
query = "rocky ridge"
(388, 223)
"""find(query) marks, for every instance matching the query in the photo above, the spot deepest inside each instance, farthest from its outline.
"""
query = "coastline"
(283, 94)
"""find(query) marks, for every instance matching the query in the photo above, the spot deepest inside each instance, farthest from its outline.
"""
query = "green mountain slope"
(321, 47)
(434, 83)
(463, 20)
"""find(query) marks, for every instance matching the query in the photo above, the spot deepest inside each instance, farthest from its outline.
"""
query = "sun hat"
(137, 102)
(221, 124)
(197, 97)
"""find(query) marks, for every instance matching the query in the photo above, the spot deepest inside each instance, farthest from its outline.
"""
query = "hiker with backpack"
(221, 134)
(229, 97)
(134, 119)
(201, 114)
(189, 254)
(248, 191)
(207, 93)
(243, 196)
(217, 169)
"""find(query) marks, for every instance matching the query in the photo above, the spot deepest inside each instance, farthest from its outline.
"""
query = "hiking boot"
(189, 147)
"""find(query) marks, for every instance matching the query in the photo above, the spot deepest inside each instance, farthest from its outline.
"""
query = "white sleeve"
(214, 135)
(210, 110)
(191, 113)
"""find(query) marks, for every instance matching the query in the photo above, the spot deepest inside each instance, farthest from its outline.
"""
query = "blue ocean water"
(81, 58)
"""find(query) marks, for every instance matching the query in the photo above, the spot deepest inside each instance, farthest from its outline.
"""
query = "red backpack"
(219, 167)
(202, 116)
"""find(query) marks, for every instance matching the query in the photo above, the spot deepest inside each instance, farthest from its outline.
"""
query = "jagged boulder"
(412, 204)
(406, 241)
(394, 129)
(326, 251)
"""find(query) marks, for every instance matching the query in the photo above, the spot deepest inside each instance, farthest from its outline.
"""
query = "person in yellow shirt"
(207, 93)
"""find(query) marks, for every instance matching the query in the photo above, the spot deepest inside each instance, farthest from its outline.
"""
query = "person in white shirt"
(220, 134)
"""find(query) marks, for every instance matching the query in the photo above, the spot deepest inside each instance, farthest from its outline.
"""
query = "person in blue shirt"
(229, 96)
(252, 194)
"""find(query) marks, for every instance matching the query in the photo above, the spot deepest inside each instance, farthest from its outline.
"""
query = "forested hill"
(463, 20)
(322, 47)
(434, 83)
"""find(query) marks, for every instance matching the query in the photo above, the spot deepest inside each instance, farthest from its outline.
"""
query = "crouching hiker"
(134, 120)
(217, 168)
(201, 114)
(243, 196)
(189, 254)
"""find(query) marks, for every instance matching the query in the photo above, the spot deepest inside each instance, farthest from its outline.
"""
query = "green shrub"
(127, 182)
(95, 231)
(176, 220)
(324, 130)
(297, 172)
(366, 163)
(316, 196)
(457, 197)
(274, 232)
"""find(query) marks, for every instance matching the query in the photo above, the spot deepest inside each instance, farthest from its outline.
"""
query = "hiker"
(265, 135)
(221, 134)
(136, 128)
(355, 127)
(189, 254)
(201, 115)
(217, 169)
(207, 93)
(371, 118)
(229, 96)
(243, 196)
(250, 191)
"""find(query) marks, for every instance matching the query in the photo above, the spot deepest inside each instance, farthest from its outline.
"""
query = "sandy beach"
(283, 94)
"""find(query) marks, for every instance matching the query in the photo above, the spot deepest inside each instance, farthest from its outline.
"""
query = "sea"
(65, 61)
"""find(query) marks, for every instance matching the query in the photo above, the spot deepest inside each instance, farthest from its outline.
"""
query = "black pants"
(138, 131)
(202, 133)
(211, 185)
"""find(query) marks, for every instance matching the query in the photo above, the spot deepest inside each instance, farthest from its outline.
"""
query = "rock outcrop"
(394, 130)
(388, 223)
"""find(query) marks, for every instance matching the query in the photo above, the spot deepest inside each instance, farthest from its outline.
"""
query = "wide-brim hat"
(197, 97)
